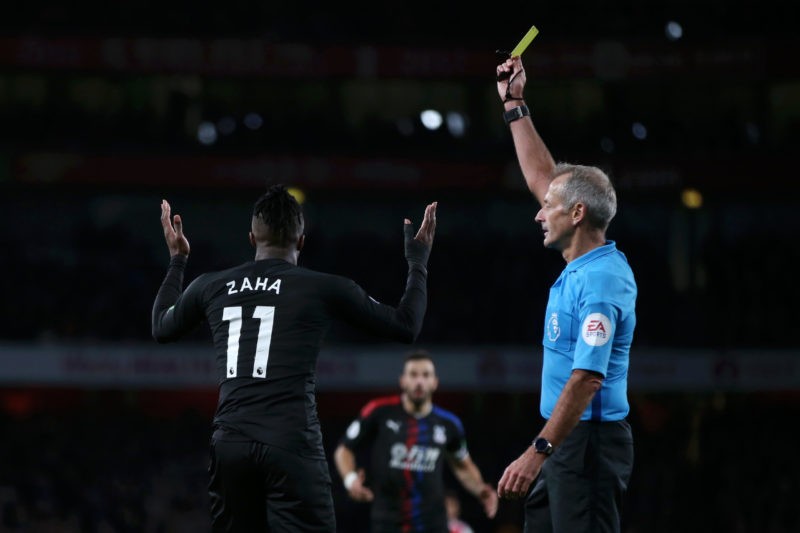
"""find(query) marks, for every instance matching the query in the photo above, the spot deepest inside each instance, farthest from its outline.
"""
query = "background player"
(410, 439)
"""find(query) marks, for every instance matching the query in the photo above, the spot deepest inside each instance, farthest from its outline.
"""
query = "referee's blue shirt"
(591, 314)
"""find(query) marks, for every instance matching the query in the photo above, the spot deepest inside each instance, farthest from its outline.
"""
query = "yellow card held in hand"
(525, 41)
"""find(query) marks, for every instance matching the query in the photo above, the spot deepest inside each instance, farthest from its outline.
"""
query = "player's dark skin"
(178, 244)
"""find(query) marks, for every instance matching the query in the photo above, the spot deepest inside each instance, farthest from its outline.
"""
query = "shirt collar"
(607, 248)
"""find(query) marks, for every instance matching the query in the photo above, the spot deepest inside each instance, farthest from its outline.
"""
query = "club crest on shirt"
(596, 329)
(553, 331)
(439, 435)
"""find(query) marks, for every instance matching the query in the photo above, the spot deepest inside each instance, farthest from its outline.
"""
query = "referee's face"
(418, 381)
(555, 218)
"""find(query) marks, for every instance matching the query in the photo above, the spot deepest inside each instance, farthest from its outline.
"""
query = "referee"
(574, 474)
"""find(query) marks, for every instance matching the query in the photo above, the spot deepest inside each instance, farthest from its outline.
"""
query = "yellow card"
(523, 44)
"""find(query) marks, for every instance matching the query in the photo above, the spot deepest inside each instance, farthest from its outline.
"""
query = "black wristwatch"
(542, 445)
(516, 113)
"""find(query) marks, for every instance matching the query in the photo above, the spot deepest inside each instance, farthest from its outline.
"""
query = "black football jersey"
(268, 319)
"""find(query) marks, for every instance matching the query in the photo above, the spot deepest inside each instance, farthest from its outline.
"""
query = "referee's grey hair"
(591, 187)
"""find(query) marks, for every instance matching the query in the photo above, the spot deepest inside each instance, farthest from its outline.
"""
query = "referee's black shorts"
(258, 488)
(581, 486)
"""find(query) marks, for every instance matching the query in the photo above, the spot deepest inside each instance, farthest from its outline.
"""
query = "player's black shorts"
(581, 486)
(257, 488)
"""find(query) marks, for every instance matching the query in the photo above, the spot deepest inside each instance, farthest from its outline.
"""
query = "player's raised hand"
(428, 227)
(177, 242)
(418, 247)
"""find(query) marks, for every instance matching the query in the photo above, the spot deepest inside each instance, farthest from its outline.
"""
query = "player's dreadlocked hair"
(281, 215)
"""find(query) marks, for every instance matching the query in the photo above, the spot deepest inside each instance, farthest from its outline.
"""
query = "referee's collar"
(588, 257)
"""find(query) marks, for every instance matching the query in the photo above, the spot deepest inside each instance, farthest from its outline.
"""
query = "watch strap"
(516, 113)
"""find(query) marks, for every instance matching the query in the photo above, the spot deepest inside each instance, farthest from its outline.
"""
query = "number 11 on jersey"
(265, 314)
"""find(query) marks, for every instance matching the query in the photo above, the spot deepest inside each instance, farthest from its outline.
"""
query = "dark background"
(101, 107)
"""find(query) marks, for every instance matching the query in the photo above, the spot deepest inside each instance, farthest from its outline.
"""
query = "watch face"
(541, 445)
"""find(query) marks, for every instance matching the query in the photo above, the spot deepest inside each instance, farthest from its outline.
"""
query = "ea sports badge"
(596, 329)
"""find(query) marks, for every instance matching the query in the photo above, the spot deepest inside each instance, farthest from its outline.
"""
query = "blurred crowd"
(85, 265)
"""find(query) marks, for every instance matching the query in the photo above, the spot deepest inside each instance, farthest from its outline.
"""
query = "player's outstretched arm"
(168, 320)
(404, 321)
